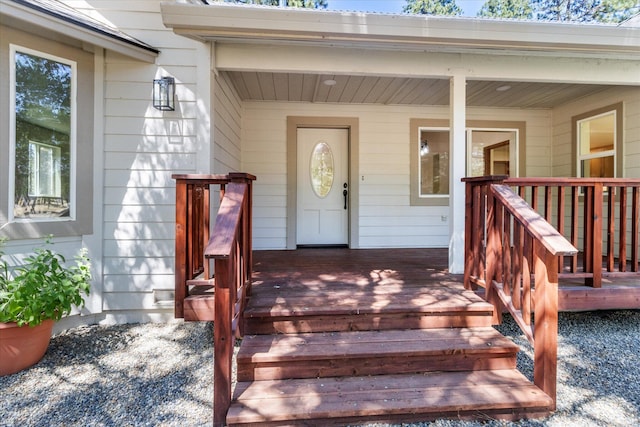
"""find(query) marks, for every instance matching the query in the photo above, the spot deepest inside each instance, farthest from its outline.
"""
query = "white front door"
(323, 186)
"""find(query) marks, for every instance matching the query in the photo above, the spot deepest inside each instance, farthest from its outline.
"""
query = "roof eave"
(241, 23)
(21, 12)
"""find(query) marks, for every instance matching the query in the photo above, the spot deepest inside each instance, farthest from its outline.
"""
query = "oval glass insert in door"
(321, 169)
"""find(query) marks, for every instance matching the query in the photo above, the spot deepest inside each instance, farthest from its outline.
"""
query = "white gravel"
(161, 375)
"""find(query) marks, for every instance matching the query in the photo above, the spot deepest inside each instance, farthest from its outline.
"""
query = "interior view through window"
(434, 162)
(43, 136)
(492, 152)
(596, 146)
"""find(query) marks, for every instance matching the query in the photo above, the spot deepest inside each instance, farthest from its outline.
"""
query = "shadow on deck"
(390, 271)
(339, 336)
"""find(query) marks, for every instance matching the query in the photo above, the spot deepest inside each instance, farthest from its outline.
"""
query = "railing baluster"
(518, 263)
(575, 200)
(611, 227)
(588, 233)
(561, 211)
(470, 247)
(180, 248)
(546, 321)
(635, 223)
(526, 279)
(622, 221)
(547, 203)
(505, 251)
(597, 224)
(493, 259)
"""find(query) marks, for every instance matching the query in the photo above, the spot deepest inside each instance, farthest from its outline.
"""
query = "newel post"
(545, 320)
(180, 247)
(223, 340)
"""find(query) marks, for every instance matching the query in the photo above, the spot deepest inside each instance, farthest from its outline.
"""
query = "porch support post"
(457, 166)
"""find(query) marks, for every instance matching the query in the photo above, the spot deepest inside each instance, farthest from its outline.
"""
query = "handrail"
(517, 244)
(231, 285)
(229, 246)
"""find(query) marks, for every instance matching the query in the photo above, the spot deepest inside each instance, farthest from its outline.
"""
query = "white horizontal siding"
(137, 230)
(141, 282)
(386, 217)
(159, 266)
(143, 179)
(143, 147)
(139, 196)
(227, 126)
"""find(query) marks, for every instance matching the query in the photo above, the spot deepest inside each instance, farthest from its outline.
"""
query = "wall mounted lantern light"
(424, 148)
(164, 90)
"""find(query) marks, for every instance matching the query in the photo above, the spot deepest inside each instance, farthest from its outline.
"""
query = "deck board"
(386, 270)
(384, 396)
(334, 281)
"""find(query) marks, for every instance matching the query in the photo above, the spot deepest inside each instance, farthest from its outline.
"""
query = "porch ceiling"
(276, 54)
(354, 89)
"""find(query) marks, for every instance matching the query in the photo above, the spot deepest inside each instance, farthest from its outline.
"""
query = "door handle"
(345, 193)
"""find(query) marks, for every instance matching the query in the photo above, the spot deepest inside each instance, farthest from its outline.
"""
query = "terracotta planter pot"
(22, 346)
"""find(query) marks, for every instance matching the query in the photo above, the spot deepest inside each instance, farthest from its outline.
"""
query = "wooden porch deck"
(336, 336)
(339, 336)
(409, 269)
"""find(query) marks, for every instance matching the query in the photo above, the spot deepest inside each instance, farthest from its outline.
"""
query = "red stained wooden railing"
(229, 246)
(600, 216)
(508, 244)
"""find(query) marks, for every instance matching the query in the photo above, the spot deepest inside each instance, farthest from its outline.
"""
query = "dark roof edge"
(72, 16)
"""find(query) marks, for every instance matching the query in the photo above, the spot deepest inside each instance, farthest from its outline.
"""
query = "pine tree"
(586, 10)
(432, 7)
(514, 9)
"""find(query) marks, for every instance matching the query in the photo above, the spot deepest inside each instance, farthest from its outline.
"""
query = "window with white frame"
(596, 146)
(492, 152)
(43, 136)
(597, 143)
(493, 148)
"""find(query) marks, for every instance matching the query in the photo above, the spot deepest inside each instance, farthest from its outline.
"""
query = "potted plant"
(33, 296)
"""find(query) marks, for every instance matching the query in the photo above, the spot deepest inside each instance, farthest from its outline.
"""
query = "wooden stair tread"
(438, 300)
(394, 396)
(200, 304)
(363, 353)
(329, 345)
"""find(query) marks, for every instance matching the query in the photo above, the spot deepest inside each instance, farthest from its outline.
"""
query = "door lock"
(345, 193)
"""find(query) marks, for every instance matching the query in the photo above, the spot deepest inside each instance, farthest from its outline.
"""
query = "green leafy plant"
(42, 287)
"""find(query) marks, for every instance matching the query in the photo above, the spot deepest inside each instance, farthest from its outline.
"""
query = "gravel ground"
(161, 375)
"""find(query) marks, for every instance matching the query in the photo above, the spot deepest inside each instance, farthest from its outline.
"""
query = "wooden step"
(349, 308)
(503, 394)
(318, 355)
(200, 304)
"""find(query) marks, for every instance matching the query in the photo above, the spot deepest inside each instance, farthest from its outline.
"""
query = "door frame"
(349, 123)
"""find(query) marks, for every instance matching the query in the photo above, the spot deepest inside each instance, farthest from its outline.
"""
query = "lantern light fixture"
(164, 90)
(424, 148)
